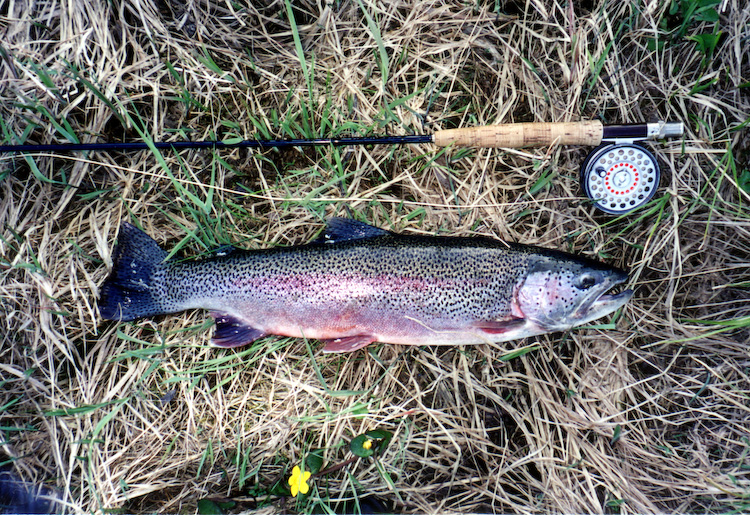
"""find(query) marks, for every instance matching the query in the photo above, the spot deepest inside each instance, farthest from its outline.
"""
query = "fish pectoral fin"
(233, 332)
(348, 343)
(500, 326)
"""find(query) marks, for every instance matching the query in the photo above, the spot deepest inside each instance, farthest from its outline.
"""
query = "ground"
(645, 411)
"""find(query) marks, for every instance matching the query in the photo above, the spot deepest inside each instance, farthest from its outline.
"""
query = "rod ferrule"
(663, 130)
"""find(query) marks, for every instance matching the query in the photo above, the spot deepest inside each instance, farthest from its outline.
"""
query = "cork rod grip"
(518, 135)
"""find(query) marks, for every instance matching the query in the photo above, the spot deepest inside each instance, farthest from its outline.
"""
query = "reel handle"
(519, 135)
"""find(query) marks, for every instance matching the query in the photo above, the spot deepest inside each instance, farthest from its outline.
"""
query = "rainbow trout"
(359, 284)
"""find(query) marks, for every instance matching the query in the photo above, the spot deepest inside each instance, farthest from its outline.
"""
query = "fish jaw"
(599, 303)
(603, 306)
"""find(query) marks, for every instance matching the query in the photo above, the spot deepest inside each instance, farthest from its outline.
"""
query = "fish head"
(561, 291)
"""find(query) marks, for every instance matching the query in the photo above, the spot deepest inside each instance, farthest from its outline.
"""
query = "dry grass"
(651, 416)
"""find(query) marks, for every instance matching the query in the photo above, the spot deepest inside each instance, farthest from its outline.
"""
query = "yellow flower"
(367, 444)
(298, 481)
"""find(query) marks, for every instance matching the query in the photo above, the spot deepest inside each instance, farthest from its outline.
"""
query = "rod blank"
(252, 143)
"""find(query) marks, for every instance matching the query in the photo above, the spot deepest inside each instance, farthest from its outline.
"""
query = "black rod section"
(628, 131)
(252, 143)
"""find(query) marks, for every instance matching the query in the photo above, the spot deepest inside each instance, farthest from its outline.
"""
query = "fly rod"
(508, 135)
(619, 175)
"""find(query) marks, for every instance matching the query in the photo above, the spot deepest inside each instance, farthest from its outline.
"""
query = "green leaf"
(357, 446)
(379, 434)
(744, 180)
(85, 408)
(706, 43)
(382, 435)
(375, 31)
(542, 182)
(379, 438)
(518, 353)
(209, 507)
(280, 489)
(700, 87)
(307, 72)
(314, 460)
(654, 44)
(616, 435)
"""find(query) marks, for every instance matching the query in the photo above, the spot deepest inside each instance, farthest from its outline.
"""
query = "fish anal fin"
(500, 326)
(233, 332)
(348, 343)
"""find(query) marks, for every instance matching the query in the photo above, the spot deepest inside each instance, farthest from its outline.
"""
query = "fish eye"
(586, 281)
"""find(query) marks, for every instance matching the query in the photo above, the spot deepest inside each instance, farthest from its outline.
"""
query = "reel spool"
(620, 177)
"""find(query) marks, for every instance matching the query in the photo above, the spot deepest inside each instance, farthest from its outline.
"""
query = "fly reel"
(620, 177)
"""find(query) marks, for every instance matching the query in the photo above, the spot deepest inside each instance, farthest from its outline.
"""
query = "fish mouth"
(611, 301)
(602, 305)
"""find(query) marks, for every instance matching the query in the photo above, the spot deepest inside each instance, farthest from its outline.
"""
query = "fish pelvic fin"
(233, 332)
(348, 343)
(132, 289)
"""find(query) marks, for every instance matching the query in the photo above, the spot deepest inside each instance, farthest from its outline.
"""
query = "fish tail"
(134, 289)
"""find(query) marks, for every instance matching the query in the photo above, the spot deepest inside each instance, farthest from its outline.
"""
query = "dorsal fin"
(224, 250)
(347, 229)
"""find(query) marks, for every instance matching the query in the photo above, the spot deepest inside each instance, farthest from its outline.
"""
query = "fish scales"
(378, 279)
(360, 284)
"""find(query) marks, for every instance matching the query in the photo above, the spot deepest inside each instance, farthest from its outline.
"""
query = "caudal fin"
(133, 290)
